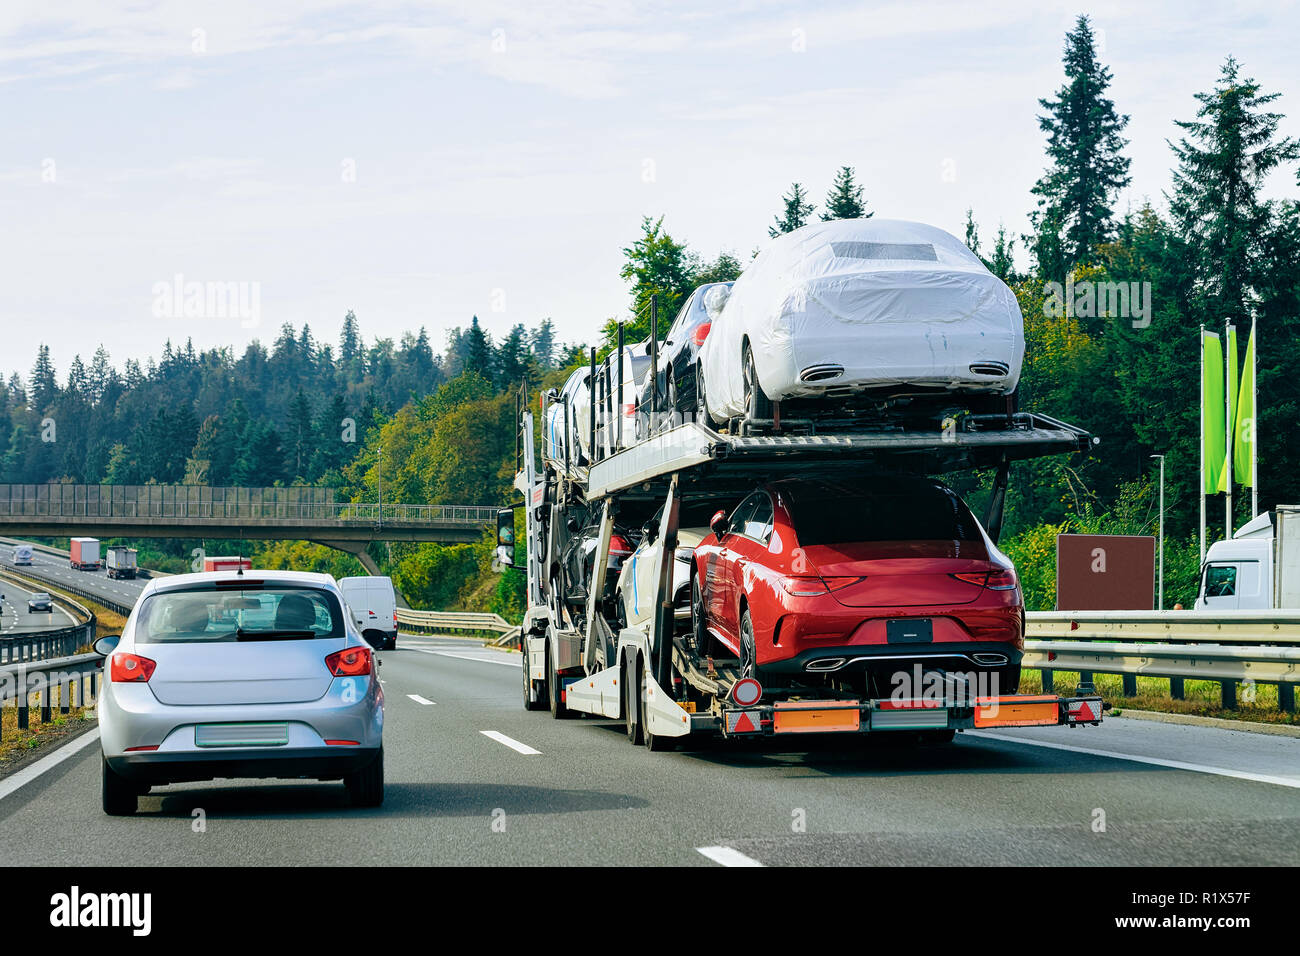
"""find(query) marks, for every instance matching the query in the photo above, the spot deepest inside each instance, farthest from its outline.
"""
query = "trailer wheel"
(553, 688)
(532, 699)
(653, 742)
(701, 402)
(631, 702)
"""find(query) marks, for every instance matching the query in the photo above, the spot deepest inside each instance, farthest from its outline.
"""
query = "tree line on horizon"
(439, 426)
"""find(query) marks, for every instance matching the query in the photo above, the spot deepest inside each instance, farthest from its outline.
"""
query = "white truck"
(83, 554)
(580, 658)
(1257, 568)
(22, 555)
(372, 602)
(121, 562)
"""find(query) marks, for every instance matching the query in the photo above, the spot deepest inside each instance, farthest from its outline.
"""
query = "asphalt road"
(16, 619)
(538, 791)
(123, 591)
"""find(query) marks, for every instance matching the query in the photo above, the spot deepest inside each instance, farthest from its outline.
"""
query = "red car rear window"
(840, 514)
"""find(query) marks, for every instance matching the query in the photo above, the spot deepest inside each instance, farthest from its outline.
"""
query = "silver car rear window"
(259, 612)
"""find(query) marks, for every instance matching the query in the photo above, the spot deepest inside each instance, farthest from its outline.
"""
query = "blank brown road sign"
(1105, 572)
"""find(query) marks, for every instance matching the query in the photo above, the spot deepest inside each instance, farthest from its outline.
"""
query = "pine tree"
(796, 212)
(299, 436)
(17, 391)
(1085, 149)
(1003, 263)
(45, 388)
(1229, 149)
(972, 239)
(542, 343)
(350, 339)
(78, 382)
(844, 201)
(478, 352)
(100, 374)
(513, 357)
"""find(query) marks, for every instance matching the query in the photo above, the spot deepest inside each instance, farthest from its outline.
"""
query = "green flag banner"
(1213, 440)
(1243, 443)
(1225, 475)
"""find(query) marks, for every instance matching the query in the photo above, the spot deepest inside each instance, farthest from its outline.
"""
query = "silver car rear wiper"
(284, 635)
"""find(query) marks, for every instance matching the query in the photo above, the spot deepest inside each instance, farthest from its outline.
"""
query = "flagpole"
(1254, 416)
(1201, 478)
(1228, 342)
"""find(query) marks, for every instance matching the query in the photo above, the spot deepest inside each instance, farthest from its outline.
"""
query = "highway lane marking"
(1155, 761)
(420, 700)
(466, 657)
(510, 742)
(726, 856)
(25, 776)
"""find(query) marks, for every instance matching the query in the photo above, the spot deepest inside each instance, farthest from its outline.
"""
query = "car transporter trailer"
(651, 678)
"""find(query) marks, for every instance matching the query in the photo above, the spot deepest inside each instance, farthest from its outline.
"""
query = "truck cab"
(1256, 568)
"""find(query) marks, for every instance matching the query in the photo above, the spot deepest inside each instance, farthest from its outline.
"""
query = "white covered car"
(858, 305)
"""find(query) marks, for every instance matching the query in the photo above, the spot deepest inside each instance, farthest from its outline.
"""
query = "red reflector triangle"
(744, 725)
(1085, 712)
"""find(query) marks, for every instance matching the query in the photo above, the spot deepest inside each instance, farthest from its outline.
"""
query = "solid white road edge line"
(1156, 761)
(420, 700)
(726, 856)
(25, 776)
(509, 742)
(467, 657)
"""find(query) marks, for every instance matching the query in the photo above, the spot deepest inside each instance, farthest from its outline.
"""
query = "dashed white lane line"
(510, 742)
(726, 856)
(420, 700)
(25, 776)
(1135, 758)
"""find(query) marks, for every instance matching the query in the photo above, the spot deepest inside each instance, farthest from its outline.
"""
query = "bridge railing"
(213, 503)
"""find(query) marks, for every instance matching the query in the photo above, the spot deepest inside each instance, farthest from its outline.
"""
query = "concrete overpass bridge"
(200, 511)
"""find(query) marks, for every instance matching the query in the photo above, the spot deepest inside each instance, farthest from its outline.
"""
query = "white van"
(372, 602)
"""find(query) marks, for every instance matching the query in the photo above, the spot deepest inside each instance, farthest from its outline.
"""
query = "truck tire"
(631, 699)
(757, 404)
(553, 689)
(120, 796)
(533, 700)
(654, 742)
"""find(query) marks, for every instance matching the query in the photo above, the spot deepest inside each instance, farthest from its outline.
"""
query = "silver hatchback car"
(239, 674)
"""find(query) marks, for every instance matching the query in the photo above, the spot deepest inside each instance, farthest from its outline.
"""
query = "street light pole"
(1160, 586)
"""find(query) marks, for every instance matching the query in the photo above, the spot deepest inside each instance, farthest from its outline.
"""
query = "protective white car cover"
(864, 303)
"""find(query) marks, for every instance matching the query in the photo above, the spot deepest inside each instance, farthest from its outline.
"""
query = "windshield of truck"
(1220, 580)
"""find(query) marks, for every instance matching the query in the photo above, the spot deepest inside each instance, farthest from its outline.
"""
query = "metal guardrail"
(48, 642)
(74, 680)
(445, 621)
(1251, 647)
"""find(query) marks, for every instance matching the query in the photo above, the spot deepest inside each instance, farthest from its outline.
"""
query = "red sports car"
(852, 584)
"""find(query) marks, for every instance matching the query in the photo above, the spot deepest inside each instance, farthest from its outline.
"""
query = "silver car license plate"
(241, 735)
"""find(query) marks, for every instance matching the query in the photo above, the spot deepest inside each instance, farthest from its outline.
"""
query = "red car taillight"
(1003, 579)
(130, 669)
(349, 662)
(701, 333)
(803, 586)
(618, 546)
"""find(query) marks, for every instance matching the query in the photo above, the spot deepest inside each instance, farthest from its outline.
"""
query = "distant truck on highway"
(227, 563)
(22, 555)
(121, 562)
(83, 554)
(1258, 567)
(372, 602)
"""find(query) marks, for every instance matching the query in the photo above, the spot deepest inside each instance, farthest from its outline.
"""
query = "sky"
(420, 163)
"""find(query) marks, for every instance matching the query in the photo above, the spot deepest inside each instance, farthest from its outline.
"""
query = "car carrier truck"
(650, 676)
